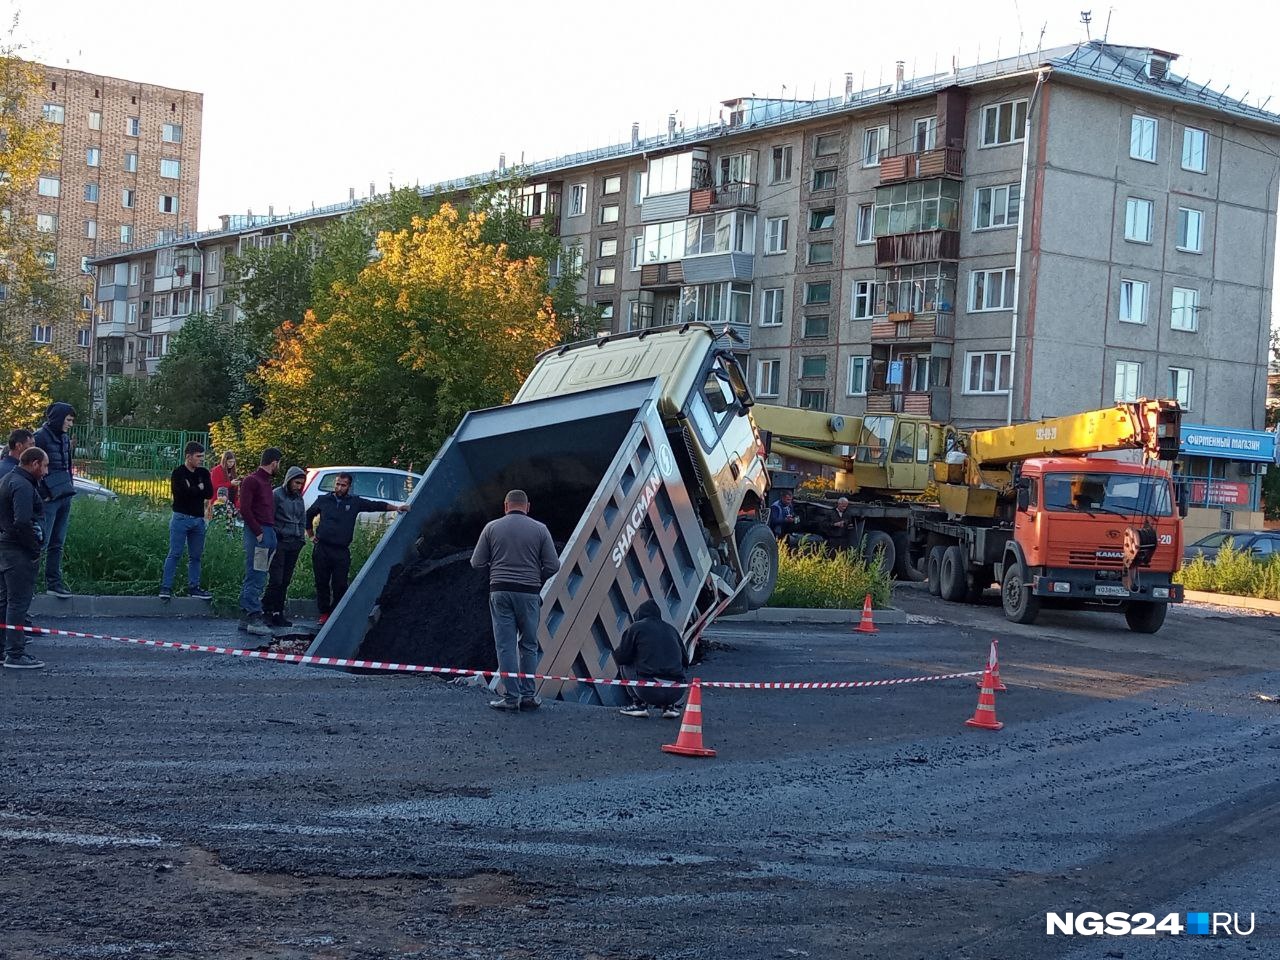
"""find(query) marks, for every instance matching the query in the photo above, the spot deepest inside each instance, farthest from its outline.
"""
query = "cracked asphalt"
(166, 804)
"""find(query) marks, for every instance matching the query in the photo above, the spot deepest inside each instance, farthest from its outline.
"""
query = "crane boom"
(1152, 426)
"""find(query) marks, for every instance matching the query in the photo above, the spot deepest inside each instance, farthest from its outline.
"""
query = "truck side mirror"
(1024, 498)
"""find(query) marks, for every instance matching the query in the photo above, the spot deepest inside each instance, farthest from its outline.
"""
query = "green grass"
(1233, 572)
(806, 578)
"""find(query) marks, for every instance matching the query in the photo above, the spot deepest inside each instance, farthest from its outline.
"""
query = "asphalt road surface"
(167, 804)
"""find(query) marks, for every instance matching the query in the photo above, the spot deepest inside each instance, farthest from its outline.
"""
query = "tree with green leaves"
(193, 384)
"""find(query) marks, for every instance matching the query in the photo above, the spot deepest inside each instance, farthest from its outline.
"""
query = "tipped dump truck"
(639, 454)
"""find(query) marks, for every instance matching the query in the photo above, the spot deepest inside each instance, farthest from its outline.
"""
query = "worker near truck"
(291, 529)
(58, 489)
(191, 489)
(258, 508)
(19, 440)
(651, 649)
(521, 557)
(21, 537)
(782, 516)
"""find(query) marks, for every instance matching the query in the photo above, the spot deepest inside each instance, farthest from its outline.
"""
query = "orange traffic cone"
(689, 742)
(993, 664)
(984, 717)
(868, 625)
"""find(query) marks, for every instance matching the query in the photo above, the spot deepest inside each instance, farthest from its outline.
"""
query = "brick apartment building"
(905, 248)
(127, 171)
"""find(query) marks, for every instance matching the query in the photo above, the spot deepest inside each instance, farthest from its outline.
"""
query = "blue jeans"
(188, 531)
(53, 530)
(516, 615)
(255, 580)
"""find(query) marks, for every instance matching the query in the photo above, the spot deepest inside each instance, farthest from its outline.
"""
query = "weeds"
(1234, 572)
(807, 578)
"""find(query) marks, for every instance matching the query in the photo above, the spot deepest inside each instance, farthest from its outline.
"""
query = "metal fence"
(132, 461)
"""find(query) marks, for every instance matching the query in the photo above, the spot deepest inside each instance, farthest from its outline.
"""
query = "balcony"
(903, 248)
(112, 291)
(740, 339)
(716, 267)
(943, 162)
(662, 274)
(726, 196)
(907, 327)
(934, 403)
(106, 329)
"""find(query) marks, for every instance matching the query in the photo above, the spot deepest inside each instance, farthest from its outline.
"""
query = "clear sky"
(303, 100)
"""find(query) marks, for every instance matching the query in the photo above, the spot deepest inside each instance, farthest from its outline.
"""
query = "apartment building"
(1022, 238)
(127, 171)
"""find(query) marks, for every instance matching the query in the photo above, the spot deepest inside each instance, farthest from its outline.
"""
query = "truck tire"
(876, 541)
(935, 570)
(1145, 617)
(758, 550)
(1015, 594)
(953, 579)
(905, 569)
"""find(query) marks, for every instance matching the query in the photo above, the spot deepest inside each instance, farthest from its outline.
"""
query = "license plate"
(1107, 590)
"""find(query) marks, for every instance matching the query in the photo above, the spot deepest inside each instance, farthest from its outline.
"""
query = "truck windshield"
(876, 432)
(1114, 493)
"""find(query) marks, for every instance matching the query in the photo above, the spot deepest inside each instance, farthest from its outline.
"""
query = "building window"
(995, 207)
(1003, 123)
(1180, 386)
(1186, 305)
(91, 229)
(133, 274)
(642, 186)
(609, 213)
(1195, 150)
(864, 299)
(1137, 220)
(171, 133)
(1128, 381)
(577, 199)
(609, 247)
(127, 197)
(126, 234)
(771, 307)
(91, 193)
(1133, 301)
(132, 313)
(821, 252)
(866, 222)
(926, 133)
(82, 337)
(130, 163)
(813, 400)
(49, 187)
(1190, 223)
(604, 308)
(826, 145)
(42, 332)
(53, 112)
(168, 204)
(768, 373)
(1142, 138)
(611, 185)
(822, 219)
(132, 127)
(48, 258)
(813, 366)
(92, 156)
(859, 367)
(170, 169)
(817, 326)
(46, 223)
(775, 235)
(875, 143)
(780, 165)
(637, 251)
(575, 259)
(84, 265)
(987, 373)
(605, 276)
(824, 179)
(991, 290)
(817, 292)
(95, 120)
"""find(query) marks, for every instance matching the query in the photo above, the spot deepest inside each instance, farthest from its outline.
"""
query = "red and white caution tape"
(456, 671)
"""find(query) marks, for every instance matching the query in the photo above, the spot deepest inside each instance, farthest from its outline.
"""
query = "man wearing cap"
(258, 510)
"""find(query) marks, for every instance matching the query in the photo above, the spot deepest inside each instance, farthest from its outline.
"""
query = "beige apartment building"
(127, 172)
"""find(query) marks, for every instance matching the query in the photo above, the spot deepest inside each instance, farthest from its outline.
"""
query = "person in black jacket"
(21, 509)
(651, 649)
(291, 526)
(58, 487)
(19, 440)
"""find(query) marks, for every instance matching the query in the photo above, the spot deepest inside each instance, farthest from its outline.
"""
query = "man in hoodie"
(291, 527)
(331, 553)
(651, 649)
(21, 507)
(19, 440)
(258, 509)
(57, 488)
(191, 488)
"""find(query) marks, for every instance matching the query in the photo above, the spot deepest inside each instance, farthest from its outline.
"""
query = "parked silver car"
(94, 490)
(1260, 544)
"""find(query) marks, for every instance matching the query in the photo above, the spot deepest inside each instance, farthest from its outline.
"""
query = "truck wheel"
(1145, 617)
(876, 541)
(953, 581)
(1019, 604)
(935, 570)
(758, 550)
(905, 569)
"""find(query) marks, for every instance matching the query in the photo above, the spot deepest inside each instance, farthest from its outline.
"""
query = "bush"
(1233, 572)
(807, 578)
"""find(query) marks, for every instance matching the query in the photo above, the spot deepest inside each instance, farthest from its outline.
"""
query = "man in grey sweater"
(521, 557)
(291, 530)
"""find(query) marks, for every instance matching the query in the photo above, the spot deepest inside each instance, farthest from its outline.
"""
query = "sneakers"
(61, 591)
(243, 626)
(635, 710)
(166, 593)
(278, 620)
(23, 661)
(256, 626)
(672, 713)
(530, 703)
(322, 619)
(198, 593)
(503, 703)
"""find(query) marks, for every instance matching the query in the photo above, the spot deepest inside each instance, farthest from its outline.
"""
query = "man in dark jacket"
(782, 516)
(331, 550)
(651, 649)
(21, 508)
(840, 526)
(19, 440)
(291, 528)
(58, 487)
(191, 488)
(521, 557)
(258, 509)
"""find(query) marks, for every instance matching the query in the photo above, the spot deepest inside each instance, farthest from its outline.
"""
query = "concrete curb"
(784, 615)
(46, 605)
(1233, 601)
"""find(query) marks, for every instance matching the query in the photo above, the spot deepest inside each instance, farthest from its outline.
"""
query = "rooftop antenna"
(1106, 31)
(1086, 17)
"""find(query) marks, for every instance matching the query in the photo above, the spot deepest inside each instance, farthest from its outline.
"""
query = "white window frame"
(606, 276)
(929, 127)
(131, 315)
(1190, 135)
(1184, 309)
(128, 197)
(169, 163)
(42, 333)
(53, 113)
(1185, 241)
(1016, 129)
(1134, 297)
(859, 375)
(637, 248)
(866, 224)
(92, 157)
(46, 223)
(91, 229)
(130, 161)
(84, 337)
(880, 136)
(160, 203)
(126, 233)
(1127, 370)
(1180, 386)
(864, 300)
(616, 181)
(95, 119)
(1005, 274)
(171, 133)
(768, 384)
(132, 126)
(91, 188)
(1003, 215)
(48, 187)
(775, 235)
(782, 153)
(1131, 207)
(772, 306)
(999, 359)
(605, 250)
(577, 199)
(609, 213)
(1144, 133)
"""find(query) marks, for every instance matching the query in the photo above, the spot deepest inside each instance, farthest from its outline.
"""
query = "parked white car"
(93, 490)
(372, 483)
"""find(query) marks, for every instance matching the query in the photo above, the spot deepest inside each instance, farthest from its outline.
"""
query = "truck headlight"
(1160, 593)
(1061, 587)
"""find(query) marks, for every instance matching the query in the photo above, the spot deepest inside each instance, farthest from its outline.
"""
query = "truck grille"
(1110, 560)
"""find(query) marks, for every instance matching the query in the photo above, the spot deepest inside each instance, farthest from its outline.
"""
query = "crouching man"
(651, 649)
